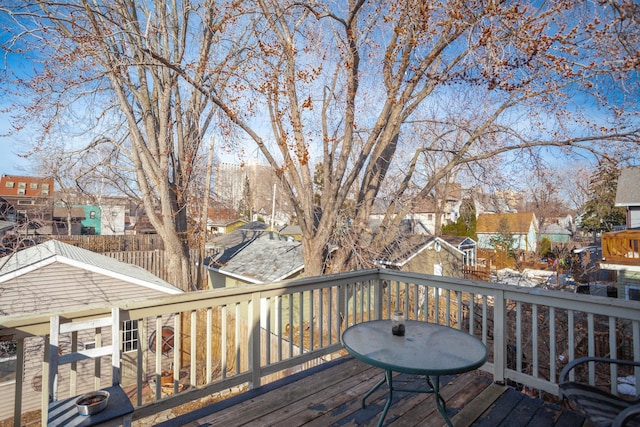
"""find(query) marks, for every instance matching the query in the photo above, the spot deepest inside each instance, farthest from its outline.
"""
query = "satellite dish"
(167, 340)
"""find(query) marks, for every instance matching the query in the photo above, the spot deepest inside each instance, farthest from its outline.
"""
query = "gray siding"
(59, 286)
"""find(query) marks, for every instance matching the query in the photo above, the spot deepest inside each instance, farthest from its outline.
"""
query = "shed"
(54, 277)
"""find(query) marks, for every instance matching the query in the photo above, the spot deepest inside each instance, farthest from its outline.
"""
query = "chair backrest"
(90, 330)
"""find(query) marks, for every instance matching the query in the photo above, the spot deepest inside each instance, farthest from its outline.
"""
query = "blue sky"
(10, 146)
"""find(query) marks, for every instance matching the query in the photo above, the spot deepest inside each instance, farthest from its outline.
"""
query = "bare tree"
(99, 66)
(345, 83)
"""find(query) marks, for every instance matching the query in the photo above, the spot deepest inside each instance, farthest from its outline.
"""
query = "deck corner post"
(499, 342)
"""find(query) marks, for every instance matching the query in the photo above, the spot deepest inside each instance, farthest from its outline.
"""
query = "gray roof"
(266, 259)
(555, 229)
(238, 238)
(628, 192)
(29, 259)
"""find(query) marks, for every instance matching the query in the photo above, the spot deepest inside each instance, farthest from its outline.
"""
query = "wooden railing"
(621, 247)
(233, 339)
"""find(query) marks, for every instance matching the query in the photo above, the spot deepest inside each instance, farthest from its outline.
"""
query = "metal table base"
(434, 388)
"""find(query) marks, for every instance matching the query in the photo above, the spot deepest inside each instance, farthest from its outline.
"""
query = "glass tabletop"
(425, 349)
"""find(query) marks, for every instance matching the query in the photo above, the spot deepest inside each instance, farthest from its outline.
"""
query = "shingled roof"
(517, 222)
(51, 251)
(268, 258)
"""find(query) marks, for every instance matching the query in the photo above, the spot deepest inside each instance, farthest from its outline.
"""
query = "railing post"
(499, 333)
(378, 297)
(254, 339)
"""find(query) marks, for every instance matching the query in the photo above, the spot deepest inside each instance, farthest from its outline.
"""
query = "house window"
(33, 185)
(8, 350)
(130, 336)
(632, 292)
(92, 214)
(25, 202)
(22, 187)
(45, 189)
(9, 184)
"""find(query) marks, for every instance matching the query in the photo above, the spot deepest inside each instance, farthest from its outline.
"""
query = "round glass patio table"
(426, 349)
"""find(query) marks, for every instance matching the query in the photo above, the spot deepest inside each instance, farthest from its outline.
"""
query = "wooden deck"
(331, 395)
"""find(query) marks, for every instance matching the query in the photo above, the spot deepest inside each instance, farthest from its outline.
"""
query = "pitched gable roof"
(54, 251)
(628, 191)
(517, 222)
(266, 259)
(407, 247)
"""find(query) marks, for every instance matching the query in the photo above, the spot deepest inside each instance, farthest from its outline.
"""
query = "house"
(520, 229)
(54, 277)
(628, 195)
(221, 220)
(266, 257)
(621, 249)
(67, 221)
(498, 202)
(26, 198)
(446, 204)
(441, 256)
(262, 257)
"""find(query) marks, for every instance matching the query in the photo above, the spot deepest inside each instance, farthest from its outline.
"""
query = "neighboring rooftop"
(517, 222)
(46, 253)
(267, 258)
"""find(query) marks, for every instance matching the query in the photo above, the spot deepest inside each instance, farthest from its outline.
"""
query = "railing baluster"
(267, 327)
(193, 380)
(321, 317)
(330, 290)
(301, 322)
(635, 327)
(613, 371)
(158, 354)
(448, 307)
(311, 322)
(291, 325)
(459, 311)
(534, 339)
(209, 355)
(472, 313)
(224, 340)
(571, 340)
(237, 343)
(484, 319)
(278, 326)
(518, 336)
(591, 347)
(552, 344)
(436, 304)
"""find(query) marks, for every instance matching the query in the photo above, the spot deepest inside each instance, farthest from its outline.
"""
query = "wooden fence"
(153, 261)
(133, 242)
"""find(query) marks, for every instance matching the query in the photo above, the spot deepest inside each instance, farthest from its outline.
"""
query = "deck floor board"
(333, 397)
